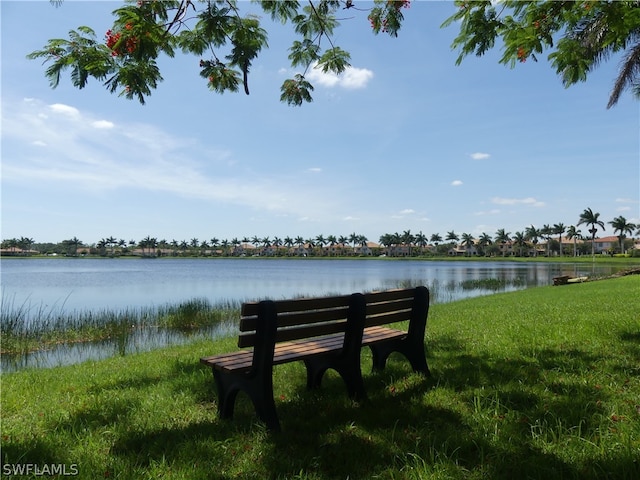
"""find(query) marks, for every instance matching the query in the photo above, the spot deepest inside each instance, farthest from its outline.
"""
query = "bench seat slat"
(283, 353)
(299, 350)
(376, 334)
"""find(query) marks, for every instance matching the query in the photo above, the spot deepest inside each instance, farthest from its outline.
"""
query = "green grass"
(542, 383)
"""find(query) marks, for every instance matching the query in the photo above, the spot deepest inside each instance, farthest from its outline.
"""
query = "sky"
(404, 140)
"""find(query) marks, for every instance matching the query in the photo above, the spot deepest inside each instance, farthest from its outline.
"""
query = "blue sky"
(406, 140)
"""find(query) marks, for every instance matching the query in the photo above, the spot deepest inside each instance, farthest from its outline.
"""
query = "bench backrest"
(395, 305)
(300, 318)
(312, 317)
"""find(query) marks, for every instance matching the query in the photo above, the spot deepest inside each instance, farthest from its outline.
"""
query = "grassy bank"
(540, 383)
(24, 330)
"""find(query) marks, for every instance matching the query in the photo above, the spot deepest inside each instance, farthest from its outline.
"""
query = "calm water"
(98, 284)
(81, 284)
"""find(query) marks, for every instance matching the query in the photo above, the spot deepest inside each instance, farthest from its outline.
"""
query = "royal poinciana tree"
(226, 41)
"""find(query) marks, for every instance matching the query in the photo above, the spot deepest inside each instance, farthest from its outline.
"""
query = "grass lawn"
(542, 383)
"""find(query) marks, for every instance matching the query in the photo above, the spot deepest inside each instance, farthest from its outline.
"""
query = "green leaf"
(296, 91)
(219, 77)
(283, 10)
(303, 52)
(334, 60)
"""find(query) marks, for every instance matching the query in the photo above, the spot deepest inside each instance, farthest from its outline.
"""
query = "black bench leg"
(260, 393)
(266, 411)
(352, 376)
(414, 353)
(315, 372)
(226, 395)
(355, 383)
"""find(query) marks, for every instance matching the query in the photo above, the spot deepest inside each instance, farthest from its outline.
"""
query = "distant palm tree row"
(520, 243)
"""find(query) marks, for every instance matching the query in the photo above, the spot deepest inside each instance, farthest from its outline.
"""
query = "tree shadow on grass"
(475, 417)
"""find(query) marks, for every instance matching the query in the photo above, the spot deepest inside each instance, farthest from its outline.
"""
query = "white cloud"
(315, 169)
(139, 157)
(480, 156)
(456, 183)
(517, 201)
(352, 78)
(407, 211)
(494, 211)
(102, 124)
(65, 110)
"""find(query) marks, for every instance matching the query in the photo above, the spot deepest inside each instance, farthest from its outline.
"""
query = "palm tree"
(467, 241)
(452, 237)
(225, 246)
(112, 242)
(353, 238)
(148, 242)
(421, 241)
(621, 225)
(310, 242)
(520, 241)
(235, 242)
(545, 232)
(277, 243)
(332, 240)
(174, 247)
(75, 243)
(407, 239)
(484, 241)
(320, 241)
(163, 245)
(386, 240)
(559, 229)
(25, 244)
(588, 217)
(503, 238)
(574, 234)
(102, 246)
(362, 241)
(533, 234)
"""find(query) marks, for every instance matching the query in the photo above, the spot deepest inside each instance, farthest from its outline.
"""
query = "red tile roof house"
(605, 244)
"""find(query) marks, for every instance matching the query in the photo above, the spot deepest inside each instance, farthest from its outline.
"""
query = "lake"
(63, 285)
(95, 284)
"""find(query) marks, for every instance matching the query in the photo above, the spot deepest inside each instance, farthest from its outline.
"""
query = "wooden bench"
(324, 333)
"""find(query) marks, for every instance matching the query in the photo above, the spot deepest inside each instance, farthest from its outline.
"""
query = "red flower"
(522, 54)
